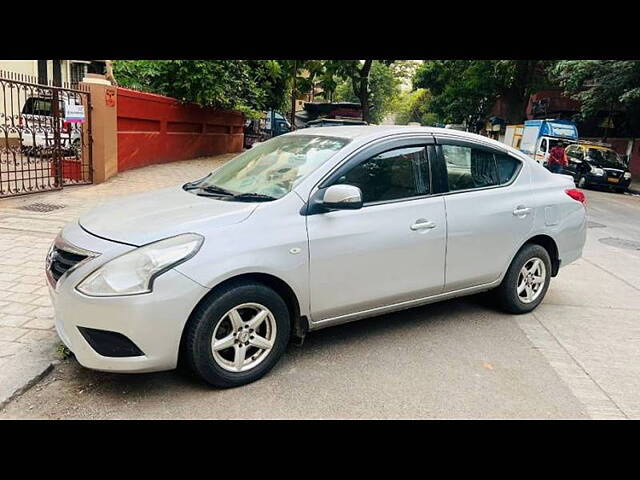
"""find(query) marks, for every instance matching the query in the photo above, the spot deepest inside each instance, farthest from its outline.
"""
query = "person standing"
(557, 158)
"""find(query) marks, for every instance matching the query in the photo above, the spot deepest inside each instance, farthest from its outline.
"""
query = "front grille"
(60, 261)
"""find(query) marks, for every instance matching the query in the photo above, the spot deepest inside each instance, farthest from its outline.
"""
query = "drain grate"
(620, 243)
(41, 207)
(595, 225)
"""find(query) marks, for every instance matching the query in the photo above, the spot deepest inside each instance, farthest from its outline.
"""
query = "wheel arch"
(550, 245)
(299, 323)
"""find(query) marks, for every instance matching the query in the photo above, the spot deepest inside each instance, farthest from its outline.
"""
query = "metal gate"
(45, 143)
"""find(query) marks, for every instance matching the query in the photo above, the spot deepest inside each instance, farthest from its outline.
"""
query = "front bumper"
(153, 322)
(607, 181)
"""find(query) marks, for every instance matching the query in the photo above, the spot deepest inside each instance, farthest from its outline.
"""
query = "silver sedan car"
(307, 230)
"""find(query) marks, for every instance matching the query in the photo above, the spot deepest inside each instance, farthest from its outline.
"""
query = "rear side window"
(392, 175)
(469, 168)
(507, 167)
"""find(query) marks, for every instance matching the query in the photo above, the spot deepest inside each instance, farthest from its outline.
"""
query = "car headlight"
(597, 171)
(133, 272)
(627, 175)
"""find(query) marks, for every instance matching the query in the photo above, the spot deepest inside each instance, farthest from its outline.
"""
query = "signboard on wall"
(73, 113)
(110, 97)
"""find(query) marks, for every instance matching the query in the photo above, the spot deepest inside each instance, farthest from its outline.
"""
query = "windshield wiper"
(217, 190)
(259, 197)
(193, 185)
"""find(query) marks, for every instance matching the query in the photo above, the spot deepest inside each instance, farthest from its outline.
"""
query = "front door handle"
(422, 224)
(521, 211)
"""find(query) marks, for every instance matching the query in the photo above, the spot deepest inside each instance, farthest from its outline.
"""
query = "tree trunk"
(516, 98)
(363, 90)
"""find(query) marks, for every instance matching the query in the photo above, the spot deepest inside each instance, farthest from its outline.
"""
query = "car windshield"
(554, 143)
(273, 168)
(605, 158)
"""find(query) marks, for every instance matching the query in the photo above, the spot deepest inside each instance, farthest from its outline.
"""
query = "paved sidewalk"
(28, 339)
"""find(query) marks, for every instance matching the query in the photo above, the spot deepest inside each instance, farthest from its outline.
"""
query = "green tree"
(248, 86)
(602, 85)
(415, 106)
(465, 90)
(357, 72)
(382, 90)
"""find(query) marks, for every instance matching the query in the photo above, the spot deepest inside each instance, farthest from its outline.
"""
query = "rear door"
(489, 210)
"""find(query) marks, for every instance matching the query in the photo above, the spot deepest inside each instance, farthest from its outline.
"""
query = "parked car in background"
(334, 122)
(540, 136)
(307, 230)
(314, 111)
(597, 165)
(37, 126)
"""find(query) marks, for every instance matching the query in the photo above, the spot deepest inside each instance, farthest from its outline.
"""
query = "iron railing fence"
(45, 143)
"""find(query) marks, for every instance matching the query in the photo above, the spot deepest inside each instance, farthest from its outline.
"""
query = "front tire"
(526, 281)
(237, 334)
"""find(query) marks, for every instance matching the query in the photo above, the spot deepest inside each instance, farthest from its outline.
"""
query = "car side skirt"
(374, 312)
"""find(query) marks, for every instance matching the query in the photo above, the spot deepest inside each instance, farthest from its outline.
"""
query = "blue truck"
(270, 125)
(540, 136)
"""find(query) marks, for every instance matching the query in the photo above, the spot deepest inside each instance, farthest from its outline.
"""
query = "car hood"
(607, 165)
(143, 218)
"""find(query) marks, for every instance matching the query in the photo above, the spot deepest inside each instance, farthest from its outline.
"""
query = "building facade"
(55, 72)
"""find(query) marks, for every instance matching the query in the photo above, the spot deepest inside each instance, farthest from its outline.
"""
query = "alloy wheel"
(531, 280)
(243, 337)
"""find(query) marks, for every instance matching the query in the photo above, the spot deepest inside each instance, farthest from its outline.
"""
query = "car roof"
(363, 133)
(597, 147)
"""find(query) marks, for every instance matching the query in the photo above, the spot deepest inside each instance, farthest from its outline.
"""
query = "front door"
(542, 154)
(575, 156)
(391, 250)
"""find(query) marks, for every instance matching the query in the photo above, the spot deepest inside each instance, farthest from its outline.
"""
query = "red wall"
(157, 129)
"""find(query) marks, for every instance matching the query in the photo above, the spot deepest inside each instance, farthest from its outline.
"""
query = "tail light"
(66, 127)
(576, 195)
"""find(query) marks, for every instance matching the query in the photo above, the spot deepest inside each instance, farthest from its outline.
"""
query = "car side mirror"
(342, 197)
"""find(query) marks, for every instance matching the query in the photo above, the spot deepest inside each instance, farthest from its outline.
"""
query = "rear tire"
(222, 334)
(521, 292)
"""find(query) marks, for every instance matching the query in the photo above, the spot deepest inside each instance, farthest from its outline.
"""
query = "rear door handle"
(521, 211)
(422, 224)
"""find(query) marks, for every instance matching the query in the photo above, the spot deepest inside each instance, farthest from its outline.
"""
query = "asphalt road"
(576, 356)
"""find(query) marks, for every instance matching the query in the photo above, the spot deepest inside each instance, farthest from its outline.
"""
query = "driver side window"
(395, 174)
